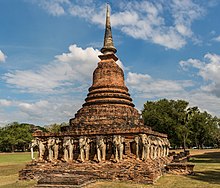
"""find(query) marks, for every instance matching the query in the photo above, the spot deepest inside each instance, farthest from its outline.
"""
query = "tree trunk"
(184, 143)
(23, 148)
(12, 148)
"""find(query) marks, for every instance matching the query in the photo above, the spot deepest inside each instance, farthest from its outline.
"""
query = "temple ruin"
(107, 138)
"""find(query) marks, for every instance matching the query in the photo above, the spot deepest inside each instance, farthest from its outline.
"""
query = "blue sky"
(49, 48)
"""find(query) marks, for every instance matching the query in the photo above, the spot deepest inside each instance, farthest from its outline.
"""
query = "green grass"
(207, 173)
(10, 164)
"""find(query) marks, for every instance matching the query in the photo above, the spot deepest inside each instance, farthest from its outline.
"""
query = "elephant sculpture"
(50, 144)
(154, 147)
(53, 147)
(34, 143)
(101, 148)
(40, 143)
(145, 143)
(119, 147)
(160, 147)
(67, 149)
(56, 148)
(167, 147)
(84, 148)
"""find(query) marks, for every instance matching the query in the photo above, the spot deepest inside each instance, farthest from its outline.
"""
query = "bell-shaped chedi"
(108, 103)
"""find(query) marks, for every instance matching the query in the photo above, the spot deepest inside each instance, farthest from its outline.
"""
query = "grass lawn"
(10, 164)
(207, 173)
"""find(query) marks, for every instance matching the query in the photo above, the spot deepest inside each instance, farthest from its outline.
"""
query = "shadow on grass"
(212, 176)
(212, 157)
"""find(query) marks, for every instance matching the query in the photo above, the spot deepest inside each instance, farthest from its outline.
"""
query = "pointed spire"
(108, 47)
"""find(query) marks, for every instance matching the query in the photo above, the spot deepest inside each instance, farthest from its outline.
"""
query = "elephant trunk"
(32, 153)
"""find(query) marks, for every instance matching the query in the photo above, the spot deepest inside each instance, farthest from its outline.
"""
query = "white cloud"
(191, 62)
(208, 69)
(40, 112)
(205, 101)
(2, 56)
(144, 86)
(136, 79)
(184, 13)
(4, 102)
(67, 69)
(217, 39)
(167, 23)
(49, 111)
(153, 24)
(53, 7)
(145, 20)
(127, 18)
(183, 30)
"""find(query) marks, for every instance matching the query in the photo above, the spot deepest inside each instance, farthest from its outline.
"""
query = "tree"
(184, 129)
(15, 136)
(204, 128)
(185, 126)
(167, 116)
(55, 128)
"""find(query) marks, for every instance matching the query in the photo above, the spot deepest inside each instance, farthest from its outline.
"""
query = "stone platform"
(80, 174)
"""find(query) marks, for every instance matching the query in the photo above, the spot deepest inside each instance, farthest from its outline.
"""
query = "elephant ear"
(88, 140)
(72, 141)
(136, 139)
(122, 139)
(37, 141)
(113, 138)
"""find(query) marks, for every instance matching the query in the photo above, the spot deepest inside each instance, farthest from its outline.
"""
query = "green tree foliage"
(17, 137)
(55, 128)
(185, 126)
(204, 128)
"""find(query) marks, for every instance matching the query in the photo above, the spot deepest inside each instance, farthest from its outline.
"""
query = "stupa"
(107, 138)
(108, 103)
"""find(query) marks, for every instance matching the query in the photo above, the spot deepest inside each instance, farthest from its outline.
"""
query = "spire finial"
(108, 47)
